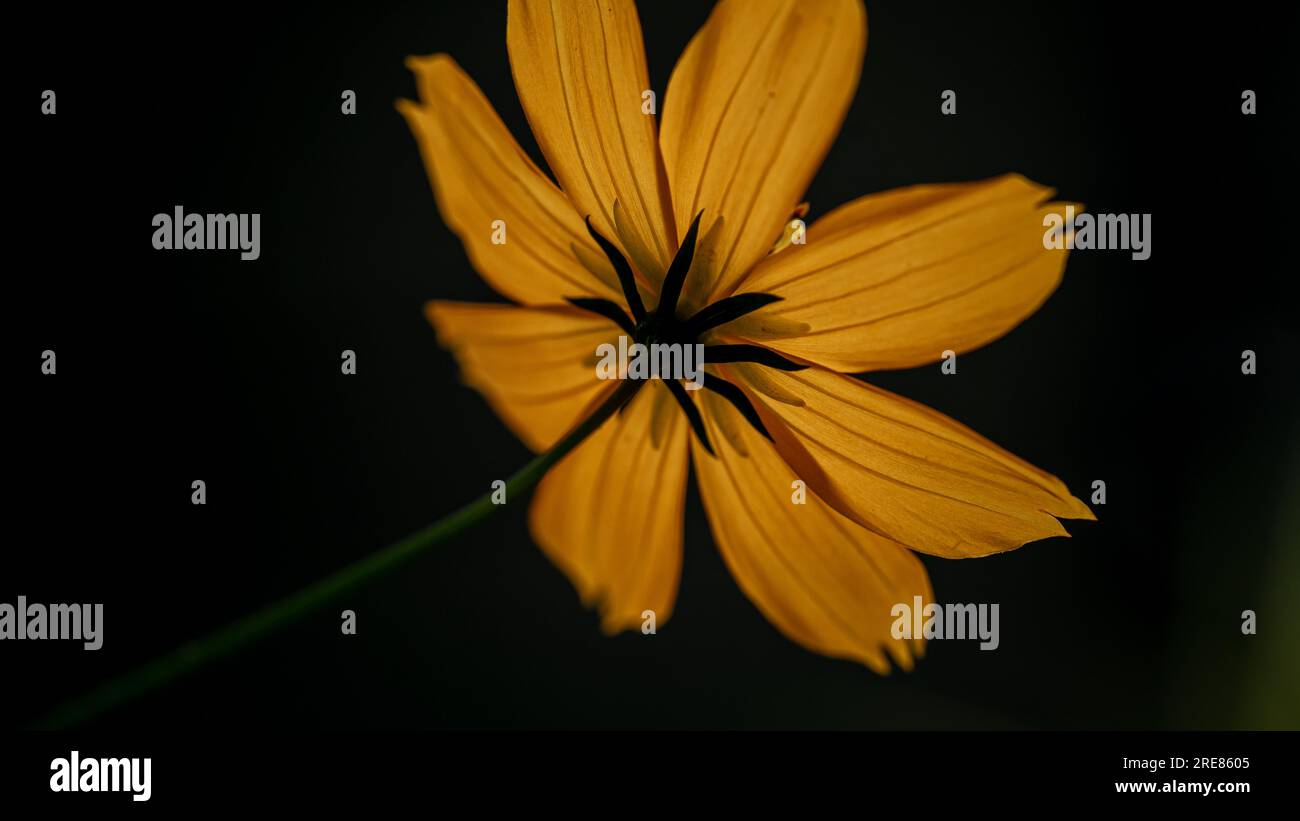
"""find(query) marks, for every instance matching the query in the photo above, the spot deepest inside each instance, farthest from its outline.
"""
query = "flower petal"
(580, 70)
(824, 581)
(610, 514)
(753, 105)
(481, 175)
(903, 470)
(535, 366)
(893, 280)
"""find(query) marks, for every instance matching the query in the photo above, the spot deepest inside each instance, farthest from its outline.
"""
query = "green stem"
(245, 631)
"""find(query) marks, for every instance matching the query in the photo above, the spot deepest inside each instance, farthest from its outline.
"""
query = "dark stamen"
(605, 308)
(624, 270)
(691, 411)
(677, 271)
(724, 311)
(662, 326)
(739, 400)
(749, 353)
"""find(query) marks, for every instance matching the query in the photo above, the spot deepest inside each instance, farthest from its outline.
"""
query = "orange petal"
(579, 67)
(824, 581)
(610, 513)
(481, 176)
(893, 280)
(903, 470)
(535, 366)
(753, 105)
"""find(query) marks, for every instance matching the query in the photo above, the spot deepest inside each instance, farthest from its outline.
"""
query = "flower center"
(662, 326)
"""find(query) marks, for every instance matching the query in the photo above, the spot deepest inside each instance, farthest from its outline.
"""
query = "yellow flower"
(887, 281)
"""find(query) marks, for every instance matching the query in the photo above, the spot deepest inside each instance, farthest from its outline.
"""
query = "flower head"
(817, 486)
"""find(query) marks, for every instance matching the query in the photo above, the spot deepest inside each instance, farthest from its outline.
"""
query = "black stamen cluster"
(662, 326)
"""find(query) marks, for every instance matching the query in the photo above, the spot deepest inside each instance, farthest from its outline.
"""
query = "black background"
(181, 366)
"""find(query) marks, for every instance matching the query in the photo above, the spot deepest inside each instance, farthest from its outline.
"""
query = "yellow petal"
(535, 366)
(579, 67)
(893, 280)
(483, 182)
(610, 514)
(908, 472)
(753, 105)
(824, 581)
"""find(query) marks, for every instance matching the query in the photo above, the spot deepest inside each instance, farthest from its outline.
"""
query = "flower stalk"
(278, 615)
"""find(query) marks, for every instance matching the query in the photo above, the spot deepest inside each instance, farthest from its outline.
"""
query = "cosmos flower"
(683, 230)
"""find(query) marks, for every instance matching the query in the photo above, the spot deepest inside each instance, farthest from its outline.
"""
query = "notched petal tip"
(433, 315)
(425, 65)
(1079, 511)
